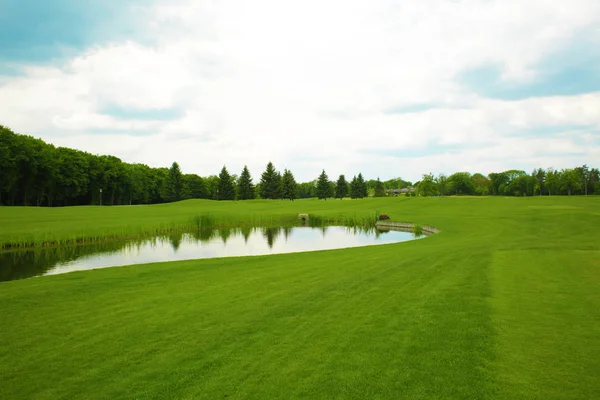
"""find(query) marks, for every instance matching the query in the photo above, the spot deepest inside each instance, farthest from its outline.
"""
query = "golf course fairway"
(503, 303)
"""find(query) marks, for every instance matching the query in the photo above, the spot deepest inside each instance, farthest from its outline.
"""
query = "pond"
(20, 264)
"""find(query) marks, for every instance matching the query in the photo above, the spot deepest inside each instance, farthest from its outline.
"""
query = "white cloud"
(307, 85)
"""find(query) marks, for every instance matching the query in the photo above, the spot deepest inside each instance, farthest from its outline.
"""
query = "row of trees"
(571, 181)
(272, 185)
(33, 172)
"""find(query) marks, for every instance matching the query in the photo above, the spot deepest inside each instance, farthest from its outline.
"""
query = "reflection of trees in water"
(287, 231)
(204, 234)
(224, 234)
(271, 235)
(246, 231)
(175, 240)
(21, 264)
(324, 230)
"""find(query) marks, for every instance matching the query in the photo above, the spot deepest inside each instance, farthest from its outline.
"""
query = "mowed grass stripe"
(548, 322)
(344, 328)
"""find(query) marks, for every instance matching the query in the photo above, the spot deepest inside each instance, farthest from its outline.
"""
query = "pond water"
(19, 264)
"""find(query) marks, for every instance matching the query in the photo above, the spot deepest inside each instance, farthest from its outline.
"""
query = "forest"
(36, 173)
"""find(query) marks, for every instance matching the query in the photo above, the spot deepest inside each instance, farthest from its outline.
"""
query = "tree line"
(33, 172)
(543, 182)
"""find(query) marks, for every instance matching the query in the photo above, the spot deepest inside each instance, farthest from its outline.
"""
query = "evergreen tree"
(341, 187)
(245, 186)
(358, 187)
(226, 190)
(289, 185)
(174, 183)
(364, 191)
(362, 187)
(354, 188)
(278, 191)
(379, 190)
(324, 189)
(270, 183)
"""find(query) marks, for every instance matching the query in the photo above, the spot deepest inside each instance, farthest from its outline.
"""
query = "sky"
(386, 88)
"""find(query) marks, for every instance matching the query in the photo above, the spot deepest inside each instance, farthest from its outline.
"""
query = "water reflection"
(19, 264)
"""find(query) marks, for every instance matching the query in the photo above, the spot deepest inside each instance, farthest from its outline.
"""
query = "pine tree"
(289, 185)
(226, 190)
(174, 183)
(379, 190)
(245, 186)
(270, 183)
(341, 187)
(278, 186)
(354, 188)
(362, 185)
(324, 189)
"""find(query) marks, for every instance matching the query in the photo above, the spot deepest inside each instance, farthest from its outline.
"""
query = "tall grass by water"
(31, 226)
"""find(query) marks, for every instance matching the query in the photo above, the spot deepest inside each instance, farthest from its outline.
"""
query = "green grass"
(34, 226)
(502, 304)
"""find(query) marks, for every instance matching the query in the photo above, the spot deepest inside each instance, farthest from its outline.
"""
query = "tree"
(461, 183)
(584, 177)
(442, 184)
(226, 190)
(552, 181)
(323, 187)
(540, 176)
(594, 182)
(358, 187)
(307, 189)
(341, 189)
(289, 185)
(396, 183)
(270, 183)
(174, 183)
(569, 180)
(193, 187)
(427, 186)
(481, 183)
(497, 181)
(379, 191)
(362, 186)
(245, 186)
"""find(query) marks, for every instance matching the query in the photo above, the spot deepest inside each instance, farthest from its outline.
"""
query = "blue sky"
(387, 89)
(38, 31)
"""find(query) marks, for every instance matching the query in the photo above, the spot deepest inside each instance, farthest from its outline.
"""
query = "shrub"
(417, 230)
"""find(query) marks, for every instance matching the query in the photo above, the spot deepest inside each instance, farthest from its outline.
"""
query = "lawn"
(502, 304)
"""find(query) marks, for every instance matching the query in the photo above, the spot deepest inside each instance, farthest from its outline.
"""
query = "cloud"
(386, 88)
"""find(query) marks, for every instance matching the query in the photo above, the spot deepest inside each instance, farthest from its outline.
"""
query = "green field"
(504, 303)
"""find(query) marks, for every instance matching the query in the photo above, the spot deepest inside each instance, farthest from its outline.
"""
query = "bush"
(383, 217)
(417, 230)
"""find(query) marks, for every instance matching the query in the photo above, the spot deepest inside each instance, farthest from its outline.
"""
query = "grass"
(502, 304)
(33, 226)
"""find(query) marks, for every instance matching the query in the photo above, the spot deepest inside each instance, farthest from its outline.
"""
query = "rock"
(303, 217)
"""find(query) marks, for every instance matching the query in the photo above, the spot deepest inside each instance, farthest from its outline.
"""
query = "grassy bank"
(33, 226)
(502, 304)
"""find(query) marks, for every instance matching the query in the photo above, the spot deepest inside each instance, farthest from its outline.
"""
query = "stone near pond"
(303, 217)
